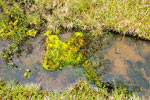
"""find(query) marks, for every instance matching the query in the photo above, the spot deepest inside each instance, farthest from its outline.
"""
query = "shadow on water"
(129, 61)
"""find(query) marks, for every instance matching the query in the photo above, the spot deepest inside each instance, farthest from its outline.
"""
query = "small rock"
(26, 74)
(28, 70)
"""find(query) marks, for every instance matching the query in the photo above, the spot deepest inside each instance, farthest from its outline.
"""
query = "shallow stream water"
(129, 61)
(53, 81)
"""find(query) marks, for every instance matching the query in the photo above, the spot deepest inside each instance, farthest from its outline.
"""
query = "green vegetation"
(7, 53)
(17, 23)
(22, 20)
(18, 92)
(80, 91)
(90, 15)
(91, 73)
(59, 54)
(96, 15)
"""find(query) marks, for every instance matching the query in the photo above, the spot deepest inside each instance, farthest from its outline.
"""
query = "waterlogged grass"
(80, 91)
(21, 20)
(95, 15)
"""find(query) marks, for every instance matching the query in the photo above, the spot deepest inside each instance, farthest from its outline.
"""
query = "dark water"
(129, 61)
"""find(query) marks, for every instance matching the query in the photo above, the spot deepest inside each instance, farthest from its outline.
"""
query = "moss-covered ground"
(22, 20)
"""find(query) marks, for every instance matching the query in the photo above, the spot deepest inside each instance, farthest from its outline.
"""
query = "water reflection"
(130, 60)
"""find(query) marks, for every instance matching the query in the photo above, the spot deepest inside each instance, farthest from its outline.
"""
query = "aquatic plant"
(92, 63)
(59, 54)
(7, 53)
(91, 73)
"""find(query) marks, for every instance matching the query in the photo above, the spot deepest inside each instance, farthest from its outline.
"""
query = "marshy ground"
(55, 44)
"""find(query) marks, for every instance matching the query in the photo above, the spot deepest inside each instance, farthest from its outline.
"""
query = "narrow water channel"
(129, 61)
(53, 81)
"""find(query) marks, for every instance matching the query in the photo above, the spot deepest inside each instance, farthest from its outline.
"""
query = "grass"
(126, 16)
(80, 91)
(22, 20)
(18, 23)
(130, 16)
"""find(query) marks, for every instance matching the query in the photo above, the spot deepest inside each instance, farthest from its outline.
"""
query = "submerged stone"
(26, 74)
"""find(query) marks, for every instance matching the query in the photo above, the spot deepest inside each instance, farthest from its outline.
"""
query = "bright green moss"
(8, 31)
(32, 33)
(60, 53)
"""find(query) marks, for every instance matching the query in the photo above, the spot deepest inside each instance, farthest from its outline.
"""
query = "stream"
(129, 61)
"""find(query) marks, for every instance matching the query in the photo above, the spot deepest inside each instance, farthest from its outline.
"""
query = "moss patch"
(59, 54)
